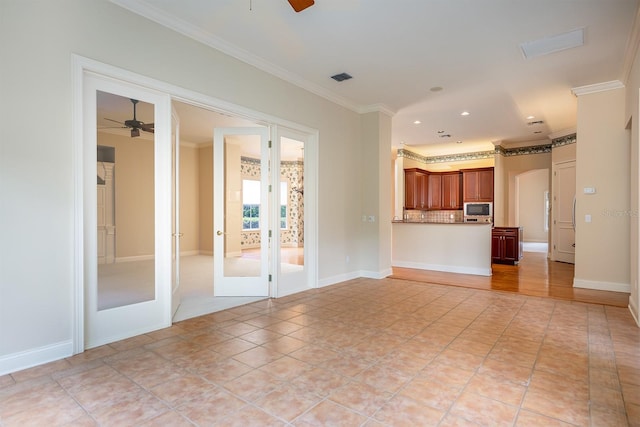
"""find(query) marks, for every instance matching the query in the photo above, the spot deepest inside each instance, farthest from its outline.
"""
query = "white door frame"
(81, 65)
(175, 204)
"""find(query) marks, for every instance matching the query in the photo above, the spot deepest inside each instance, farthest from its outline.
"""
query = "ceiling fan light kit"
(300, 5)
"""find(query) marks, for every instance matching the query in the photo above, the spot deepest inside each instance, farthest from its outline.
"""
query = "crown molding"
(140, 7)
(562, 133)
(598, 87)
(377, 108)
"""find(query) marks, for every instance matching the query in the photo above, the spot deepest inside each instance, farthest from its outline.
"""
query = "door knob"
(220, 233)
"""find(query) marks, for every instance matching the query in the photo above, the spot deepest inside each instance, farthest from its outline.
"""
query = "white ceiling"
(397, 51)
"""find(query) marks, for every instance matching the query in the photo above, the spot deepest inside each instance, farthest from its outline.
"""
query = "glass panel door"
(241, 220)
(291, 274)
(126, 211)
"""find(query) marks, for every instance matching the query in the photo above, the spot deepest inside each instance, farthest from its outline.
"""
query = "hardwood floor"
(287, 255)
(535, 276)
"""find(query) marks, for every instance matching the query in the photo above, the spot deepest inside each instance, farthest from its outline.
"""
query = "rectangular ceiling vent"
(553, 44)
(537, 122)
(341, 77)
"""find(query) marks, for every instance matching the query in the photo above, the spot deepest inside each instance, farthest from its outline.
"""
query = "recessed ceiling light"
(445, 135)
(458, 142)
(417, 122)
(440, 131)
(464, 113)
(531, 117)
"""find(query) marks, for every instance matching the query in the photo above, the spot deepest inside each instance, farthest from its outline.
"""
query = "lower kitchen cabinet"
(506, 245)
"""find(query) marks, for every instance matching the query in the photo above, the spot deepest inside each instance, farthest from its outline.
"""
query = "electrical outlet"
(372, 218)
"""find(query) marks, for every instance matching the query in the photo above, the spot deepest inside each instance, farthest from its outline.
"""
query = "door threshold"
(194, 307)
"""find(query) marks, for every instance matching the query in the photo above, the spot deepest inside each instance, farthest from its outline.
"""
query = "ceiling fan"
(300, 5)
(134, 124)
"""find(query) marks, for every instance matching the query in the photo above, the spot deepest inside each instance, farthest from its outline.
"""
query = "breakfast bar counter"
(455, 247)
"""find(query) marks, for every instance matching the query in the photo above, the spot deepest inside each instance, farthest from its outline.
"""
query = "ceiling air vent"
(341, 77)
(536, 122)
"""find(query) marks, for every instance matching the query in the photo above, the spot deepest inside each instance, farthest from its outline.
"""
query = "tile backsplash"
(433, 216)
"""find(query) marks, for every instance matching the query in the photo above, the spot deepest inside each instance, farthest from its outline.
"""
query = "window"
(547, 208)
(250, 204)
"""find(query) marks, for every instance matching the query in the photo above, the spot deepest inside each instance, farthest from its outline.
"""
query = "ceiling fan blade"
(147, 127)
(111, 120)
(300, 5)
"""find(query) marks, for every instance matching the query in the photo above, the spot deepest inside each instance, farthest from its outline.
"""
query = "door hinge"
(269, 188)
(269, 233)
(269, 144)
(269, 277)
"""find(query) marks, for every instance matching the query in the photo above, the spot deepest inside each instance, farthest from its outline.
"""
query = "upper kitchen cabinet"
(452, 190)
(434, 192)
(477, 185)
(416, 188)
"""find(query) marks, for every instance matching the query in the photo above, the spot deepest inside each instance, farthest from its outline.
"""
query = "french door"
(241, 211)
(131, 295)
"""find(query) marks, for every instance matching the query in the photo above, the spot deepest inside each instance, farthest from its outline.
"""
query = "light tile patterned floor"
(362, 353)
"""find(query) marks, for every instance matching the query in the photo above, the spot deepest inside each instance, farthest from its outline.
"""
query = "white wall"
(37, 40)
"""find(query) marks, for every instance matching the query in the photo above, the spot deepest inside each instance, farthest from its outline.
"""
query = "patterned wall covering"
(292, 172)
(520, 151)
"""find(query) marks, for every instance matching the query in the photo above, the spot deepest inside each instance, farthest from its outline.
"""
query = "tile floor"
(362, 353)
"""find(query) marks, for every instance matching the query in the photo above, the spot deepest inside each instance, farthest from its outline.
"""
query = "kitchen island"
(455, 247)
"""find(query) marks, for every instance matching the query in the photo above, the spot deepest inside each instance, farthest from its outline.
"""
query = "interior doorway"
(532, 208)
(147, 122)
(248, 218)
(564, 211)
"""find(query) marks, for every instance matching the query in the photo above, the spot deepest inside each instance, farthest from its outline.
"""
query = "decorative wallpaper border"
(443, 159)
(523, 151)
(565, 140)
(520, 151)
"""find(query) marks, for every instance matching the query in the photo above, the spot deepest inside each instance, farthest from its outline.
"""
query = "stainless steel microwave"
(478, 209)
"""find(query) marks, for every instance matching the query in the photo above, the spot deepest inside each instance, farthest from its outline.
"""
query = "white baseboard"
(210, 253)
(445, 268)
(376, 274)
(338, 278)
(134, 258)
(601, 286)
(633, 309)
(34, 357)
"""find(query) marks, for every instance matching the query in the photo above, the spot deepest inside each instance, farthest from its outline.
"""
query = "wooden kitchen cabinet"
(415, 188)
(506, 245)
(477, 185)
(434, 191)
(452, 190)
